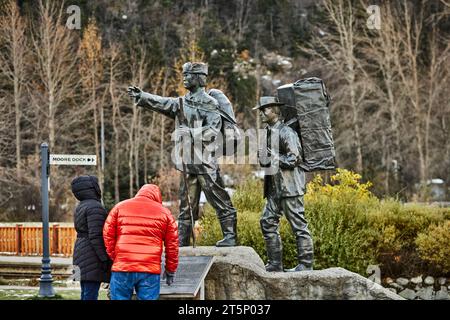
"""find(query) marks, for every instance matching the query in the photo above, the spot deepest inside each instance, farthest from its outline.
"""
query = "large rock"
(396, 286)
(402, 281)
(426, 293)
(408, 294)
(417, 280)
(442, 294)
(238, 273)
(429, 280)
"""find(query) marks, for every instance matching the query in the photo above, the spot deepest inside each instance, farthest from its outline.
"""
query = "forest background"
(390, 108)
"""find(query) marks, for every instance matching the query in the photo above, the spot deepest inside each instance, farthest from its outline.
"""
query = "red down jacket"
(135, 231)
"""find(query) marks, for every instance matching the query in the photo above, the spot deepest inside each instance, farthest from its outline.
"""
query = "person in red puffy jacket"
(134, 234)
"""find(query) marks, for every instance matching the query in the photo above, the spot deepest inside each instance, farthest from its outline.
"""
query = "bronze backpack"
(306, 110)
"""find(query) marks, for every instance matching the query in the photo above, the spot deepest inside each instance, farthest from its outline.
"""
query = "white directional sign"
(73, 159)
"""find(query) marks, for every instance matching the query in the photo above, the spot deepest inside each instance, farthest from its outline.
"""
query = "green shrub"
(249, 196)
(249, 202)
(248, 229)
(351, 228)
(338, 220)
(398, 227)
(434, 245)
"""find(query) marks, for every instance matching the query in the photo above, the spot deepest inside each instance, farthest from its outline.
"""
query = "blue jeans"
(123, 283)
(89, 290)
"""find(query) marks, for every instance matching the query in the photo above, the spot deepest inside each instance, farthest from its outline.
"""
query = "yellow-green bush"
(434, 245)
(351, 228)
(249, 196)
(339, 223)
(248, 200)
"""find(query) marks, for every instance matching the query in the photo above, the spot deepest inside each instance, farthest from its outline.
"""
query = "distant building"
(437, 189)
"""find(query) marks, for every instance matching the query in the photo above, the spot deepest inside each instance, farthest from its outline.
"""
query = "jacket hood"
(150, 191)
(86, 187)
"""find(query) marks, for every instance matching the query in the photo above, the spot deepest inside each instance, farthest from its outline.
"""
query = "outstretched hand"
(134, 92)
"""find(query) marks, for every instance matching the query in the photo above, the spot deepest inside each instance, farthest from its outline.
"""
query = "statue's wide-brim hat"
(195, 67)
(267, 102)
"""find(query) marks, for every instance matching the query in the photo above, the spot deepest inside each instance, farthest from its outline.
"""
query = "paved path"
(34, 260)
(37, 288)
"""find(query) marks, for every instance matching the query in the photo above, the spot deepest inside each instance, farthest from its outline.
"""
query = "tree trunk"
(102, 160)
(147, 144)
(51, 123)
(96, 139)
(116, 140)
(18, 117)
(419, 140)
(161, 142)
(137, 144)
(130, 168)
(385, 162)
(163, 125)
(145, 164)
(356, 131)
(116, 161)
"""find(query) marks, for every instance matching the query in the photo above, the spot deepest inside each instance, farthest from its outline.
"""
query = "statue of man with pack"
(300, 122)
(201, 118)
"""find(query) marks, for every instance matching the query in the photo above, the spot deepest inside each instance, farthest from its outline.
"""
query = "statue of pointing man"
(198, 119)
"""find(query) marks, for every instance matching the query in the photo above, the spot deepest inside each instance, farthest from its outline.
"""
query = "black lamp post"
(45, 282)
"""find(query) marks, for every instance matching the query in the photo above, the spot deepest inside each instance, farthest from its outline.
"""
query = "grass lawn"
(27, 294)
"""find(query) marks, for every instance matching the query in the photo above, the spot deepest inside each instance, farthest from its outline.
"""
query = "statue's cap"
(268, 102)
(195, 67)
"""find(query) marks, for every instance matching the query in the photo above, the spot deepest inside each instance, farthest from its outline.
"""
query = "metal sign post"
(45, 282)
(47, 159)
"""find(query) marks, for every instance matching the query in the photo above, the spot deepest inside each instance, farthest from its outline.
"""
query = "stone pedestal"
(238, 273)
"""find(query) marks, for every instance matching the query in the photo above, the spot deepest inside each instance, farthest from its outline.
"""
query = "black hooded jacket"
(89, 253)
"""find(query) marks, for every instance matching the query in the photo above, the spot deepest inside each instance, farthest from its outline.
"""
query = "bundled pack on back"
(306, 110)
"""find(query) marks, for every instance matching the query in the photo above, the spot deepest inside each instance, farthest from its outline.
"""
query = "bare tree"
(13, 52)
(408, 66)
(420, 81)
(239, 22)
(90, 53)
(139, 73)
(383, 48)
(115, 93)
(438, 72)
(338, 50)
(55, 61)
(149, 131)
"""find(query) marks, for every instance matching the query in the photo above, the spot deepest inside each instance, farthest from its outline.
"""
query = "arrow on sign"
(73, 160)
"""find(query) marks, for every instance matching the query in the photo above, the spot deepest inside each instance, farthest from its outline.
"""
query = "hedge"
(351, 228)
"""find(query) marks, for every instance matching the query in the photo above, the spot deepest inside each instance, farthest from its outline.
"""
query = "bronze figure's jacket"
(203, 119)
(289, 178)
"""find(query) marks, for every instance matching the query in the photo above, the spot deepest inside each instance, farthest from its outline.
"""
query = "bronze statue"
(197, 118)
(283, 188)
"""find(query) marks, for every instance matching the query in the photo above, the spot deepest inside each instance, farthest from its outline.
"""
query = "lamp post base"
(46, 280)
(46, 289)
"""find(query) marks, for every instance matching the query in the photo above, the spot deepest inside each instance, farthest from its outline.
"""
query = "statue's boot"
(275, 254)
(305, 255)
(229, 232)
(184, 233)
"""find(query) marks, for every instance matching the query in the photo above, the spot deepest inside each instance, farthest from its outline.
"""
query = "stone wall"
(238, 273)
(420, 287)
